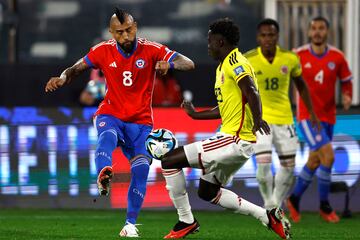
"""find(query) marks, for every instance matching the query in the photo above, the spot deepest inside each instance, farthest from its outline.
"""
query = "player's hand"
(261, 126)
(162, 67)
(54, 83)
(346, 101)
(315, 122)
(188, 107)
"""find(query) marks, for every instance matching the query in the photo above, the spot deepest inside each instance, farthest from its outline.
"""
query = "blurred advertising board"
(49, 152)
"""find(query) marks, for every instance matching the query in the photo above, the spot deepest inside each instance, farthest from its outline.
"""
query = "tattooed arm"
(67, 76)
(180, 62)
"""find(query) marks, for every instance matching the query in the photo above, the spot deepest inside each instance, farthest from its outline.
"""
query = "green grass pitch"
(106, 224)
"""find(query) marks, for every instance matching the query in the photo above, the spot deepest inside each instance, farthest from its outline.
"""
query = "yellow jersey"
(235, 112)
(274, 81)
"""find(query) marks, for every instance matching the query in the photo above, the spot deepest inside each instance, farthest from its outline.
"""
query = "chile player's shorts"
(313, 137)
(131, 136)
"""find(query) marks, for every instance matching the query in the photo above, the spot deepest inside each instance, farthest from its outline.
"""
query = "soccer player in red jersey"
(322, 65)
(124, 117)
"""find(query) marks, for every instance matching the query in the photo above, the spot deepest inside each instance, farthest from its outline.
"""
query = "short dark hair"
(268, 22)
(121, 14)
(227, 28)
(321, 18)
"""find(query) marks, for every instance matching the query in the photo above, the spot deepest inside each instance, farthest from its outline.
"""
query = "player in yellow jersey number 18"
(275, 68)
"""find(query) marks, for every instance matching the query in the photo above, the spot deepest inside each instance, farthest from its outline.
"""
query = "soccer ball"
(159, 142)
(96, 88)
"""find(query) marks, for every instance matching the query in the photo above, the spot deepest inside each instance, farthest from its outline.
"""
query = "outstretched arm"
(203, 115)
(180, 62)
(305, 96)
(248, 89)
(66, 76)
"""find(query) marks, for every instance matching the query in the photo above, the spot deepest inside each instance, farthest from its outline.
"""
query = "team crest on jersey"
(284, 69)
(140, 63)
(101, 124)
(331, 65)
(238, 70)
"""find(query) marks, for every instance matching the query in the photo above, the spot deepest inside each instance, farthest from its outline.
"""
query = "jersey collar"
(318, 56)
(264, 58)
(124, 54)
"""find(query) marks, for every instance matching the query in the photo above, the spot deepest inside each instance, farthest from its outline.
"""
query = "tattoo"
(74, 71)
(183, 63)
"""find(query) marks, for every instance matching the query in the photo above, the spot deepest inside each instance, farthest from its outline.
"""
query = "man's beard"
(319, 41)
(128, 47)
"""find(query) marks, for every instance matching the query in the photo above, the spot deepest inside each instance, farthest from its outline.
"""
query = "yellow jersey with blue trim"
(236, 116)
(274, 82)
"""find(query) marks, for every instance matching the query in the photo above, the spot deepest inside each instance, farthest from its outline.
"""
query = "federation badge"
(331, 65)
(238, 70)
(140, 63)
(284, 69)
(101, 124)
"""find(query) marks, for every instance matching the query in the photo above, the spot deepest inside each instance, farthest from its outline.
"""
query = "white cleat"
(129, 230)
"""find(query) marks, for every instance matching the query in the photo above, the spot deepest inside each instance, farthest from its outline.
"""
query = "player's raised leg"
(215, 194)
(106, 143)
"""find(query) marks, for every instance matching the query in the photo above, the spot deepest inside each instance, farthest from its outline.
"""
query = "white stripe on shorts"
(308, 132)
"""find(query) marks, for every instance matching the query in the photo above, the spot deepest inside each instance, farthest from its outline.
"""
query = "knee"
(288, 163)
(207, 191)
(313, 165)
(107, 139)
(166, 163)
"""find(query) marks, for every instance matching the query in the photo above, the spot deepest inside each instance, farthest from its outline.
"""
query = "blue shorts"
(313, 137)
(131, 136)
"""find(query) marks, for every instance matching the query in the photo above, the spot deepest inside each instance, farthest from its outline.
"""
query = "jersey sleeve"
(296, 67)
(94, 56)
(344, 71)
(239, 71)
(166, 54)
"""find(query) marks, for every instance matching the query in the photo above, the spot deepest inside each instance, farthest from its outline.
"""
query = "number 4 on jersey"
(319, 77)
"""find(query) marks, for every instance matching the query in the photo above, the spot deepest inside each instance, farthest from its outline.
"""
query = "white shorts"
(219, 157)
(283, 137)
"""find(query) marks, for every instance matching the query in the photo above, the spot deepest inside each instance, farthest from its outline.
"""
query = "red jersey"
(129, 78)
(320, 73)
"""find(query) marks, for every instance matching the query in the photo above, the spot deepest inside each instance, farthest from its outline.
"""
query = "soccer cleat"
(279, 223)
(129, 230)
(294, 213)
(182, 229)
(331, 217)
(104, 179)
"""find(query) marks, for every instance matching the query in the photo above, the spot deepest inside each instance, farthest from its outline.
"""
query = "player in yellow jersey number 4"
(221, 156)
(275, 68)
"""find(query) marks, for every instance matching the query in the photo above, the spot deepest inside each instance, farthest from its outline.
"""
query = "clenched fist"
(162, 67)
(54, 83)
